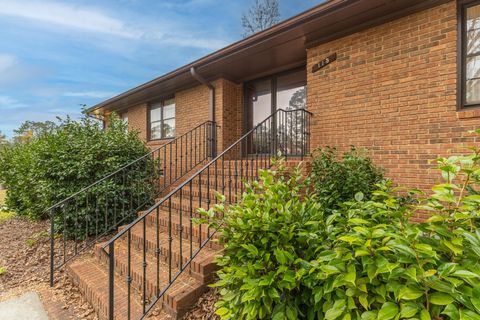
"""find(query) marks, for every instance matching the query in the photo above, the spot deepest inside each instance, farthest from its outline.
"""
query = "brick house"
(399, 85)
(399, 77)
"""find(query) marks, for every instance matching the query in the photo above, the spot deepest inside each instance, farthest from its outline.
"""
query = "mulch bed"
(204, 309)
(24, 253)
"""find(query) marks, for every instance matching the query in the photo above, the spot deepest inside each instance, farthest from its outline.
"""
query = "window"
(470, 72)
(162, 119)
(282, 91)
(124, 118)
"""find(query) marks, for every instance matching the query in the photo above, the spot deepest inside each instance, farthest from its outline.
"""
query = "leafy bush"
(338, 178)
(286, 257)
(59, 162)
(264, 235)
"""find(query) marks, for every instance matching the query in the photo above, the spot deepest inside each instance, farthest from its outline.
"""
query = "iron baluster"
(191, 220)
(157, 249)
(170, 239)
(129, 272)
(144, 266)
(111, 280)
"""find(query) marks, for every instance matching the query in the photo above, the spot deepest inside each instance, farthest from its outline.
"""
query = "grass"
(3, 194)
(4, 215)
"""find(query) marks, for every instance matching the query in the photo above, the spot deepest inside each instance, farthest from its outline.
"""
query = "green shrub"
(338, 178)
(286, 257)
(264, 235)
(59, 162)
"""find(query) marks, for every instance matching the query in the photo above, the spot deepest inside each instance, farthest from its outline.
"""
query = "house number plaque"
(325, 62)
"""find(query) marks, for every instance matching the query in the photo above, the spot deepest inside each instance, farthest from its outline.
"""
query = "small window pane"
(169, 102)
(261, 94)
(473, 67)
(155, 113)
(291, 91)
(169, 128)
(473, 28)
(473, 91)
(156, 132)
(169, 111)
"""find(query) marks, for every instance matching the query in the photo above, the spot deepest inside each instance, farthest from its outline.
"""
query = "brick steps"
(196, 192)
(201, 268)
(91, 273)
(185, 206)
(92, 280)
(177, 222)
(181, 294)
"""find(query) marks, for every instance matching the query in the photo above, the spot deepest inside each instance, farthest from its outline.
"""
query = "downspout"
(211, 109)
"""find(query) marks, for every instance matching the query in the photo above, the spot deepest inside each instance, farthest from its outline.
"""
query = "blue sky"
(56, 55)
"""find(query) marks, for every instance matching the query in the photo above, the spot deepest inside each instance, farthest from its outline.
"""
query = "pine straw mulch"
(25, 254)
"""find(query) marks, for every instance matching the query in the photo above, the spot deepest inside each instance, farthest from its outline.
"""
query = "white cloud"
(6, 62)
(8, 103)
(90, 94)
(87, 19)
(97, 21)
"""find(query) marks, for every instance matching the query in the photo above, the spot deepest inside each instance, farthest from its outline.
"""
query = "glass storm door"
(259, 107)
(285, 91)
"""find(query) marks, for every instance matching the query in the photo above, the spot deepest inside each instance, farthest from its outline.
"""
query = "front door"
(264, 97)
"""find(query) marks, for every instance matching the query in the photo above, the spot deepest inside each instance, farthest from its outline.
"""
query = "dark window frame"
(462, 6)
(160, 104)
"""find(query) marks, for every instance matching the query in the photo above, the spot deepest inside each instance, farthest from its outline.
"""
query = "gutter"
(211, 108)
(239, 46)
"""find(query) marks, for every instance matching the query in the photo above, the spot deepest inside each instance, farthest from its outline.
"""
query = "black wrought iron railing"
(153, 251)
(95, 211)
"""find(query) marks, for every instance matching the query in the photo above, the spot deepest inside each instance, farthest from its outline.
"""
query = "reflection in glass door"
(285, 91)
(291, 95)
(259, 95)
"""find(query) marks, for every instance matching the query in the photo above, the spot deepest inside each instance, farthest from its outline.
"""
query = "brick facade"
(392, 90)
(192, 109)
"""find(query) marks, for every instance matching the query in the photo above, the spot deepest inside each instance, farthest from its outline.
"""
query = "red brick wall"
(229, 113)
(137, 117)
(393, 91)
(192, 109)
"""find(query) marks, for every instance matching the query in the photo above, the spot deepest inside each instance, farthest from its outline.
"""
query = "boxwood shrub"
(56, 163)
(286, 257)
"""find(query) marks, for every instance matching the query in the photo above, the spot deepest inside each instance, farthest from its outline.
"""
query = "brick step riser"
(194, 231)
(184, 207)
(99, 304)
(204, 192)
(136, 274)
(99, 301)
(235, 168)
(175, 305)
(200, 270)
(221, 184)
